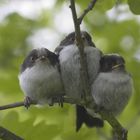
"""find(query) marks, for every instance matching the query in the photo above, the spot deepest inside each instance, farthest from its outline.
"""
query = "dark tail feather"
(82, 116)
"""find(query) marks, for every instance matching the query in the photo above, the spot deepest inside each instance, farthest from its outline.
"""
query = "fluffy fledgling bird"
(69, 58)
(39, 77)
(113, 86)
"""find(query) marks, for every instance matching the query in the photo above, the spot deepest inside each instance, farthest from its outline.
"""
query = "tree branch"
(118, 129)
(8, 106)
(7, 135)
(14, 105)
(121, 132)
(89, 101)
(20, 104)
(80, 44)
(89, 8)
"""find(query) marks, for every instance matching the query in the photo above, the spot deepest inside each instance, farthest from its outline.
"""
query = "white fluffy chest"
(40, 82)
(115, 76)
(70, 68)
(112, 91)
(68, 53)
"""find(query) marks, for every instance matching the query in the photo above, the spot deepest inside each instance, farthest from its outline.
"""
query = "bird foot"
(58, 99)
(124, 133)
(27, 102)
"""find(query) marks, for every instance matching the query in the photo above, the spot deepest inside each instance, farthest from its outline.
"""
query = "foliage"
(134, 6)
(55, 123)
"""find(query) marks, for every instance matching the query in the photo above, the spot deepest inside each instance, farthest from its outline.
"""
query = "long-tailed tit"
(39, 77)
(69, 58)
(113, 86)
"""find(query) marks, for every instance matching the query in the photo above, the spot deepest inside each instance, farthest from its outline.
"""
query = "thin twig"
(80, 44)
(105, 115)
(86, 11)
(14, 105)
(119, 130)
(20, 104)
(7, 135)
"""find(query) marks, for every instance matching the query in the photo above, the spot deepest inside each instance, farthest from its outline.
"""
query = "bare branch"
(14, 105)
(80, 44)
(121, 133)
(85, 12)
(88, 100)
(7, 135)
(20, 104)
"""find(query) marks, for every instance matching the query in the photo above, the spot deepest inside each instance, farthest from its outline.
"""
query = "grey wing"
(102, 91)
(93, 56)
(58, 49)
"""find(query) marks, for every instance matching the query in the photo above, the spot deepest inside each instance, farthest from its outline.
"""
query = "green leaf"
(104, 5)
(134, 6)
(101, 5)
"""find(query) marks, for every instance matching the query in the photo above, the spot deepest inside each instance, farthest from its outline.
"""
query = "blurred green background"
(29, 24)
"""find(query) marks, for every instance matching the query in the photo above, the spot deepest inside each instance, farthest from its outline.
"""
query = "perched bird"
(69, 59)
(39, 77)
(113, 86)
(84, 116)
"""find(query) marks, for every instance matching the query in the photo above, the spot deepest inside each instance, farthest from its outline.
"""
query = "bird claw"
(124, 133)
(27, 102)
(58, 99)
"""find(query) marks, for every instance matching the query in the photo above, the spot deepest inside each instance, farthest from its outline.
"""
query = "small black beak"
(42, 58)
(118, 66)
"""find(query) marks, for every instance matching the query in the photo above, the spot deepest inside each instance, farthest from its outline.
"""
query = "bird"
(39, 77)
(69, 59)
(113, 87)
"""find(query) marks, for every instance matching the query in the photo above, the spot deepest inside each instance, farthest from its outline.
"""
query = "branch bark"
(7, 135)
(118, 129)
(86, 11)
(20, 104)
(121, 133)
(89, 102)
(14, 105)
(80, 44)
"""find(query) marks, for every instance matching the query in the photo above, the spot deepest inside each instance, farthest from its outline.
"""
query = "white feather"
(112, 90)
(69, 59)
(41, 82)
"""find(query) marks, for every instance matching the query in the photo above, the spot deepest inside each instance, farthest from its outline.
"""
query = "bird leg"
(27, 102)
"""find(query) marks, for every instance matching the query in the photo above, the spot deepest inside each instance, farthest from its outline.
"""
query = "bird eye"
(33, 58)
(83, 38)
(72, 39)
